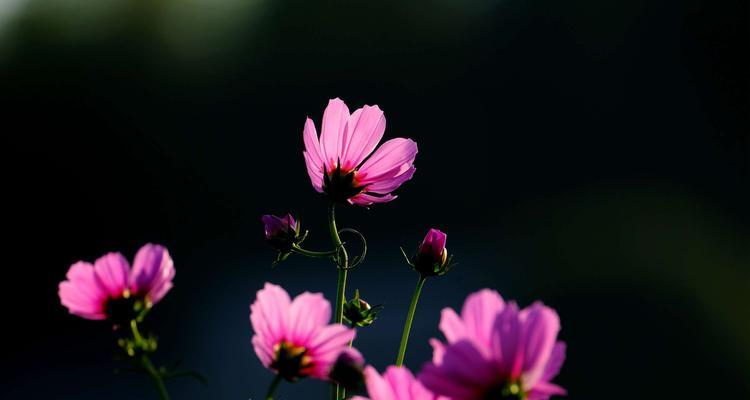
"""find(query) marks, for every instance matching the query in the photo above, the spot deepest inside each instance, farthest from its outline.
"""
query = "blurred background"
(594, 155)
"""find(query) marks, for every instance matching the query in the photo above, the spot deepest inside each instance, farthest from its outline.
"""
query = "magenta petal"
(153, 271)
(507, 342)
(479, 312)
(541, 326)
(387, 185)
(364, 199)
(555, 362)
(82, 294)
(545, 390)
(451, 325)
(268, 314)
(326, 346)
(377, 387)
(307, 313)
(464, 374)
(389, 160)
(315, 172)
(364, 130)
(332, 130)
(312, 144)
(438, 351)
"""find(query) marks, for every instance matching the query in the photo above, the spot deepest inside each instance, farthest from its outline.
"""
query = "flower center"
(291, 361)
(124, 308)
(506, 391)
(341, 184)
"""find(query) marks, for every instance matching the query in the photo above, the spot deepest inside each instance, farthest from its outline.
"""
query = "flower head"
(338, 162)
(495, 351)
(431, 258)
(397, 383)
(110, 289)
(293, 337)
(348, 372)
(282, 233)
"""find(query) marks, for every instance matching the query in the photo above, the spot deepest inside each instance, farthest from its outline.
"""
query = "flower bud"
(359, 313)
(282, 233)
(348, 370)
(431, 258)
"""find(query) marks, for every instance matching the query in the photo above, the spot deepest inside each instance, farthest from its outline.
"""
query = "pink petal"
(262, 349)
(364, 130)
(326, 346)
(153, 271)
(540, 328)
(451, 325)
(479, 313)
(438, 351)
(113, 273)
(388, 160)
(314, 172)
(364, 199)
(464, 373)
(507, 342)
(268, 314)
(332, 131)
(389, 184)
(312, 144)
(377, 387)
(555, 362)
(81, 293)
(544, 390)
(307, 313)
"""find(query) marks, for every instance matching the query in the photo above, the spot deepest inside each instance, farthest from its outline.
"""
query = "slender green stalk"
(314, 254)
(272, 389)
(342, 263)
(409, 320)
(147, 366)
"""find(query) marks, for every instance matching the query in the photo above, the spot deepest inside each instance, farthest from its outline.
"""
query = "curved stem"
(314, 254)
(272, 389)
(409, 320)
(155, 376)
(342, 263)
(146, 364)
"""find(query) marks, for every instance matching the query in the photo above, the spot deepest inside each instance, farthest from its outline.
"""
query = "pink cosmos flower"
(397, 383)
(338, 162)
(111, 289)
(496, 351)
(293, 337)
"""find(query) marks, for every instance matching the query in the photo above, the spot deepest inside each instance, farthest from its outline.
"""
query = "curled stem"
(315, 254)
(409, 320)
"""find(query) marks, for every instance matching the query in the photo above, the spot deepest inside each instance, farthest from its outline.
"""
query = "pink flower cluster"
(493, 349)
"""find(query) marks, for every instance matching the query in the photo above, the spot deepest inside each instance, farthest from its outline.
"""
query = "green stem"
(155, 376)
(146, 364)
(342, 263)
(409, 320)
(314, 254)
(272, 389)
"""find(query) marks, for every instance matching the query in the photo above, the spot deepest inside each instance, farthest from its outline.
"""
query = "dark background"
(591, 154)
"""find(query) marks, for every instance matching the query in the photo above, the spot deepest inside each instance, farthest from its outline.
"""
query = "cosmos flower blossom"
(293, 337)
(495, 350)
(111, 289)
(338, 163)
(397, 383)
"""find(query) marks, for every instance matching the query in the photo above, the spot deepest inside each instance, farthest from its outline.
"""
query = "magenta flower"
(109, 289)
(432, 255)
(496, 351)
(397, 383)
(293, 337)
(338, 162)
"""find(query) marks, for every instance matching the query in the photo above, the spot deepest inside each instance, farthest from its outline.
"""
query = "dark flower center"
(340, 185)
(123, 309)
(291, 361)
(506, 391)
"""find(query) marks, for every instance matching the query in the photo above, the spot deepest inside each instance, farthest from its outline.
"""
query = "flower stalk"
(274, 386)
(145, 363)
(409, 320)
(342, 263)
